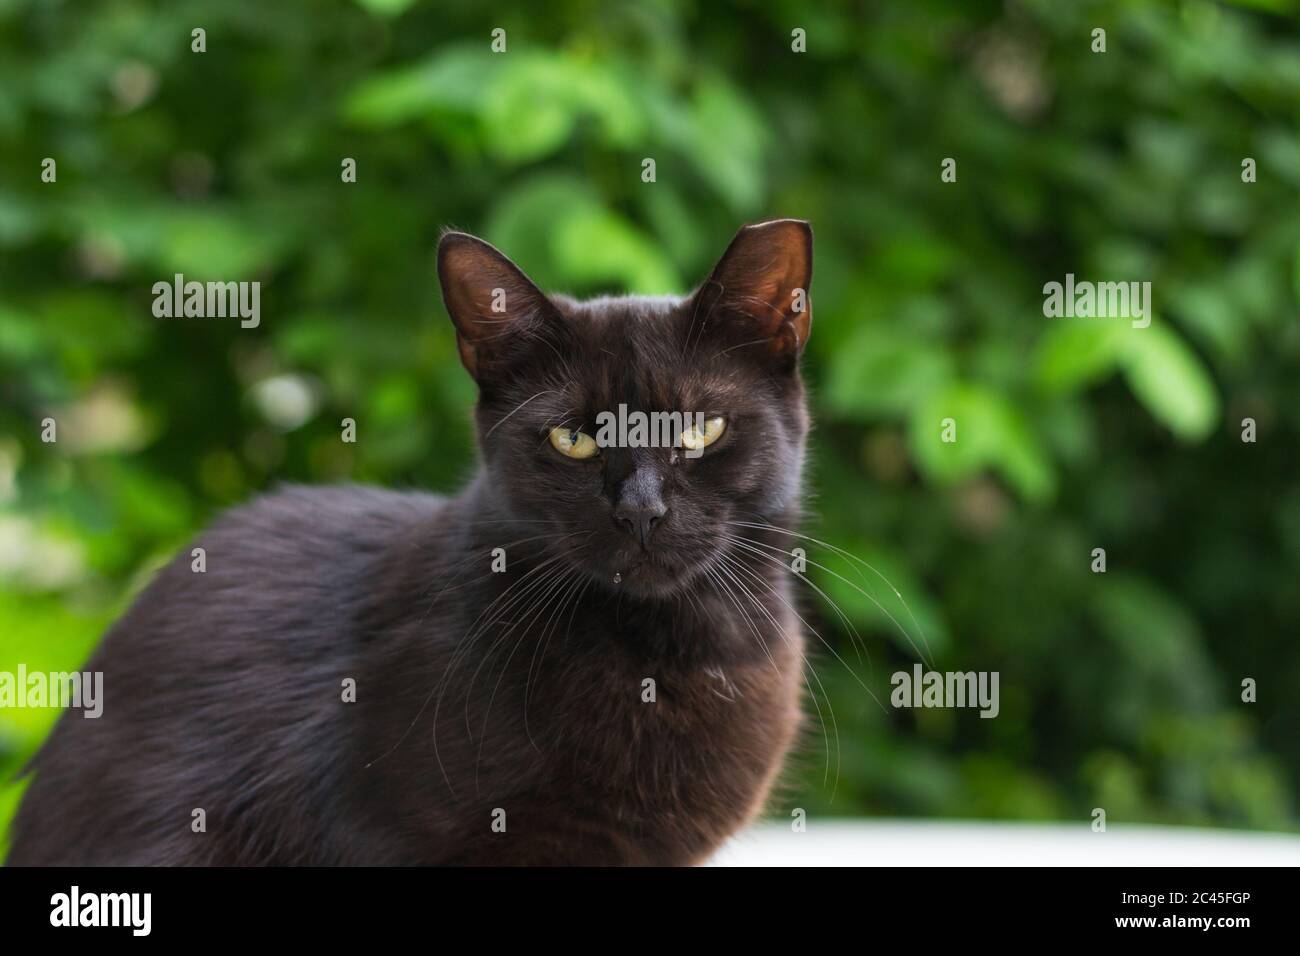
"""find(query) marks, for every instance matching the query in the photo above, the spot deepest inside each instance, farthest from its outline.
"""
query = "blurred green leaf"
(570, 241)
(990, 433)
(1168, 378)
(884, 370)
(386, 8)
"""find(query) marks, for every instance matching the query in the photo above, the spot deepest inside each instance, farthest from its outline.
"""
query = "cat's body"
(285, 772)
(619, 693)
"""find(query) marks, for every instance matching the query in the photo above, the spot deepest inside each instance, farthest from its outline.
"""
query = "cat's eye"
(695, 438)
(573, 444)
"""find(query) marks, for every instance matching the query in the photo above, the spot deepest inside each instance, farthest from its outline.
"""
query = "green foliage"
(1119, 690)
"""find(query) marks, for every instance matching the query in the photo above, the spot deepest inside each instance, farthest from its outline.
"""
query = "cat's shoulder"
(292, 504)
(322, 519)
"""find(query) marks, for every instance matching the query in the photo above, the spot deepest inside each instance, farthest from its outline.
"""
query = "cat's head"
(563, 385)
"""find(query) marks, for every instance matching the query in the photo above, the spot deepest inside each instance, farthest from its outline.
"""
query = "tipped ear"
(760, 287)
(497, 310)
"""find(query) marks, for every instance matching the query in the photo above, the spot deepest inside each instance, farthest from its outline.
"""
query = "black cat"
(624, 691)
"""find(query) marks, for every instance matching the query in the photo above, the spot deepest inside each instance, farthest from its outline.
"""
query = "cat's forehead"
(621, 317)
(629, 332)
(637, 350)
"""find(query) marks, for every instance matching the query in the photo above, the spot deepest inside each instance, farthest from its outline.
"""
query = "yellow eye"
(573, 444)
(693, 438)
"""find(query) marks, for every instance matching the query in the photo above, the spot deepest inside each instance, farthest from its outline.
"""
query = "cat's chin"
(644, 576)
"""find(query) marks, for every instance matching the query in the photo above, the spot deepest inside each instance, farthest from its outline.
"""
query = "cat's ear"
(498, 312)
(760, 288)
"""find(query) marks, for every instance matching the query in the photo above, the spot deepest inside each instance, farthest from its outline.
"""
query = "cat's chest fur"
(620, 736)
(684, 751)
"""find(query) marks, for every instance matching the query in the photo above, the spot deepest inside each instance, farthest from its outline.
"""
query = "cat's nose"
(638, 515)
(639, 505)
(640, 518)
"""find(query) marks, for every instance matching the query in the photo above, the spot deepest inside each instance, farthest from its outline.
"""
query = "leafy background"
(1119, 690)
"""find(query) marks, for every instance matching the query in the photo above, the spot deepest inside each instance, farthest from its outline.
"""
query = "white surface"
(912, 843)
